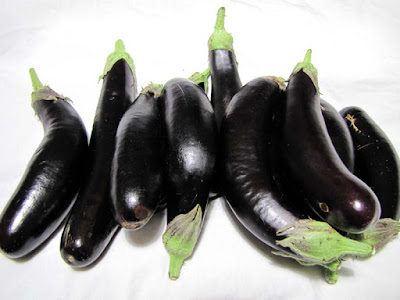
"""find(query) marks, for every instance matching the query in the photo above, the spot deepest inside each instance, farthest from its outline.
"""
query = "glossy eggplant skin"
(190, 133)
(91, 224)
(376, 160)
(225, 80)
(136, 179)
(51, 181)
(339, 133)
(334, 193)
(247, 165)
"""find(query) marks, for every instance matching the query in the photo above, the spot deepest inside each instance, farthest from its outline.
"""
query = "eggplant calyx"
(43, 92)
(118, 54)
(181, 237)
(307, 67)
(153, 88)
(280, 81)
(201, 78)
(220, 39)
(317, 243)
(378, 236)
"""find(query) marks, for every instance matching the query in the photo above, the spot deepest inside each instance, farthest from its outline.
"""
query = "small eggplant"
(91, 224)
(190, 144)
(334, 193)
(136, 177)
(52, 178)
(246, 143)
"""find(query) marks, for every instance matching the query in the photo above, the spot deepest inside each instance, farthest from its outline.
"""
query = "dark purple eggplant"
(190, 143)
(91, 224)
(339, 134)
(377, 164)
(52, 178)
(136, 177)
(247, 147)
(376, 160)
(225, 80)
(334, 193)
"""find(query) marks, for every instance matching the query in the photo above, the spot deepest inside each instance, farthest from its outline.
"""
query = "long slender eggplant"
(339, 134)
(249, 187)
(377, 164)
(136, 177)
(190, 139)
(335, 194)
(91, 224)
(225, 80)
(52, 178)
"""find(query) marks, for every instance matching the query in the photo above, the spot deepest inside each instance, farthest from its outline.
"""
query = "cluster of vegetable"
(287, 163)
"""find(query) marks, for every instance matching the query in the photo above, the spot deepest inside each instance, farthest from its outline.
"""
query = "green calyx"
(154, 89)
(220, 39)
(199, 78)
(307, 67)
(383, 232)
(118, 54)
(43, 92)
(317, 243)
(280, 81)
(180, 238)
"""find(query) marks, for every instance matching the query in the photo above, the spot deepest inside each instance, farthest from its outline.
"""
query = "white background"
(356, 49)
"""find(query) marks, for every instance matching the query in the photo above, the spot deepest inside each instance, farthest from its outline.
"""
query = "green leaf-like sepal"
(317, 243)
(307, 67)
(43, 92)
(198, 78)
(220, 39)
(181, 237)
(383, 232)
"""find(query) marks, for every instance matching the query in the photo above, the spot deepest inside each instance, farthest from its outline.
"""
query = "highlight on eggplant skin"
(52, 177)
(91, 224)
(334, 193)
(376, 160)
(136, 176)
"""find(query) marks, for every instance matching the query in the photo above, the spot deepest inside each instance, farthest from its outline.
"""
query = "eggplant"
(190, 152)
(52, 177)
(377, 164)
(247, 167)
(339, 134)
(225, 80)
(91, 224)
(376, 160)
(334, 193)
(136, 177)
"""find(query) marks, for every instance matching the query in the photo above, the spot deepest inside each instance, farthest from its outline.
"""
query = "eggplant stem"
(220, 39)
(199, 78)
(36, 84)
(308, 68)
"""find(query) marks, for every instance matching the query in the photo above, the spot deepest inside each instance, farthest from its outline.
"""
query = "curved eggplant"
(247, 147)
(91, 224)
(376, 160)
(334, 193)
(136, 177)
(52, 178)
(190, 139)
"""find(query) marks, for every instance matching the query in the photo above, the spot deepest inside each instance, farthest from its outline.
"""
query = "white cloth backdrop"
(356, 49)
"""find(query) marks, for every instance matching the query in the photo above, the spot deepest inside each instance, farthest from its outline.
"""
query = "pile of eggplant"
(315, 184)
